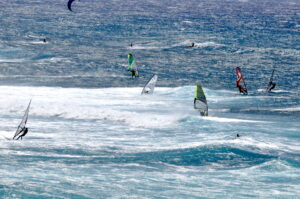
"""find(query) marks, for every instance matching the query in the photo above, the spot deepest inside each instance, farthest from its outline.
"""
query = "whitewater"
(93, 135)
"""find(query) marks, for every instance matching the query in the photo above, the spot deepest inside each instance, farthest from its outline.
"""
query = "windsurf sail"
(70, 4)
(22, 125)
(239, 79)
(149, 87)
(132, 67)
(200, 103)
(271, 84)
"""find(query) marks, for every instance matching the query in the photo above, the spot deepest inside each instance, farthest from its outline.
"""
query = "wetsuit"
(133, 73)
(25, 131)
(192, 45)
(271, 86)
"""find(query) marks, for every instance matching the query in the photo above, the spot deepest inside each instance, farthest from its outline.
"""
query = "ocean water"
(92, 134)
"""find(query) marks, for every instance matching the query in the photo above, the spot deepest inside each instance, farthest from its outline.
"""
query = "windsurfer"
(133, 74)
(191, 46)
(241, 89)
(271, 86)
(24, 131)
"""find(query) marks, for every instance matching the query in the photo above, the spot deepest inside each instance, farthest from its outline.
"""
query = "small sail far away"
(21, 128)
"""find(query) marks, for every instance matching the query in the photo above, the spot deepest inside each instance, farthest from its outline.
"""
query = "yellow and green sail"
(200, 102)
(132, 67)
(130, 62)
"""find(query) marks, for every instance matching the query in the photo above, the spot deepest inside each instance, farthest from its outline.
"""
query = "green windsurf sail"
(132, 67)
(200, 103)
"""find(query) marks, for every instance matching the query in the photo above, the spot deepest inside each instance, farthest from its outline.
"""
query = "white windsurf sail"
(149, 87)
(200, 103)
(23, 122)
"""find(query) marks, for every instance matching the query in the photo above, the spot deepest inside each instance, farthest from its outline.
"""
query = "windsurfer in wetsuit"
(193, 44)
(133, 74)
(271, 86)
(24, 131)
(131, 68)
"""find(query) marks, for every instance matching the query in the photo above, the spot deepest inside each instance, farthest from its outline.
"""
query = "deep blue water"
(91, 133)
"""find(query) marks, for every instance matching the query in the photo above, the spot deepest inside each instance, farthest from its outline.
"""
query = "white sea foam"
(220, 119)
(198, 44)
(12, 60)
(295, 108)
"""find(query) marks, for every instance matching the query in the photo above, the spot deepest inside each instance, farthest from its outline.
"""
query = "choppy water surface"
(91, 133)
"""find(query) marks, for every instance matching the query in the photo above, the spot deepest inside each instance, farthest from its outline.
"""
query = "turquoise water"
(91, 133)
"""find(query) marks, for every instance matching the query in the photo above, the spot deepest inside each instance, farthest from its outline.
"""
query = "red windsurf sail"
(239, 79)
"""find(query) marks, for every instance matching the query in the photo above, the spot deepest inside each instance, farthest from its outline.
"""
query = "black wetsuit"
(25, 131)
(133, 73)
(271, 86)
(192, 45)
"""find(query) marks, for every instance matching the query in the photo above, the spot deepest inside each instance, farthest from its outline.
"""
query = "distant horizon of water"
(93, 135)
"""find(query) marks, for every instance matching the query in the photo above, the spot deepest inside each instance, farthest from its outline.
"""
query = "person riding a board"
(200, 103)
(271, 84)
(191, 46)
(132, 67)
(22, 130)
(239, 79)
(241, 89)
(23, 133)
